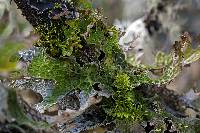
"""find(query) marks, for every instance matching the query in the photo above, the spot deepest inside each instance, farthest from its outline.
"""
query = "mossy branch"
(80, 50)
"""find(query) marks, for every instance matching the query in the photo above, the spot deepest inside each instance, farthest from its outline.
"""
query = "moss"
(127, 104)
(122, 81)
(85, 51)
(79, 52)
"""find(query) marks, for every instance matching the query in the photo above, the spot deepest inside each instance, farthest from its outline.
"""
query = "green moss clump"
(126, 105)
(84, 51)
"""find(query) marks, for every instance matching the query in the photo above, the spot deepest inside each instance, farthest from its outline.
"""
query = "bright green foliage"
(83, 51)
(126, 106)
(66, 73)
(122, 81)
(60, 71)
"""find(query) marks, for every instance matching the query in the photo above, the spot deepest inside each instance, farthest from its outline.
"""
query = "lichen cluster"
(82, 53)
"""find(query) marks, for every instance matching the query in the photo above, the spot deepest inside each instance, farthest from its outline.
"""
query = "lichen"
(83, 51)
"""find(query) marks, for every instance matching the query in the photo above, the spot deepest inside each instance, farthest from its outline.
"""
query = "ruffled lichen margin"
(80, 52)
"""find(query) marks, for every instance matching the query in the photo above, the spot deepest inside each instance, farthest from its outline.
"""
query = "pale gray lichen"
(41, 86)
(28, 55)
